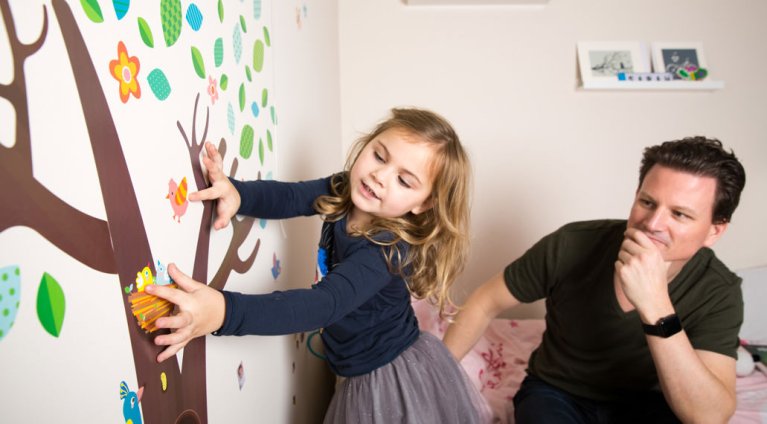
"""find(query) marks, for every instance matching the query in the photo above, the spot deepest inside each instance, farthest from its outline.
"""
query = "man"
(642, 319)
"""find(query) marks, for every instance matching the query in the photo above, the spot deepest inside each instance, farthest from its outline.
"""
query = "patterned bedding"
(496, 365)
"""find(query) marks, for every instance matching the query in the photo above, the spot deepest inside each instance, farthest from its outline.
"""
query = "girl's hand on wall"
(221, 188)
(200, 311)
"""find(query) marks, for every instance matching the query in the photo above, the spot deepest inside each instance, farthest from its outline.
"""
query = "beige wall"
(545, 153)
(309, 135)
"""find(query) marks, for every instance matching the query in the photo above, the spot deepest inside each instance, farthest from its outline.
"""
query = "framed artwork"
(677, 58)
(603, 61)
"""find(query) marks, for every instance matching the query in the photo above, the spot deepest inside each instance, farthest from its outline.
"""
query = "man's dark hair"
(704, 157)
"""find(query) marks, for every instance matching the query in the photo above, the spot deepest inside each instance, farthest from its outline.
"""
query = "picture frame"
(602, 61)
(669, 56)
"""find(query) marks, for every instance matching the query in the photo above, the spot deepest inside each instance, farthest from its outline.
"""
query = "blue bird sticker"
(131, 411)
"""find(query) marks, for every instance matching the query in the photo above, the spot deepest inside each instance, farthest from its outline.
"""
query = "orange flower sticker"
(125, 69)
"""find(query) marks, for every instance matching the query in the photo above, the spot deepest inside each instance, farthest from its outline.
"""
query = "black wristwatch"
(665, 327)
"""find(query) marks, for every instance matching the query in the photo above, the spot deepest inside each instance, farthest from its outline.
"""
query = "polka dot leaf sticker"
(50, 305)
(10, 293)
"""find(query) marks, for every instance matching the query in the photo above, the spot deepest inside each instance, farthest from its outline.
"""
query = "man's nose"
(656, 220)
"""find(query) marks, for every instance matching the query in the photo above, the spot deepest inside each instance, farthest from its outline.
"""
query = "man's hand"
(643, 275)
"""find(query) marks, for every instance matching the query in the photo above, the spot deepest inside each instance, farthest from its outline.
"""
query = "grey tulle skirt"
(425, 384)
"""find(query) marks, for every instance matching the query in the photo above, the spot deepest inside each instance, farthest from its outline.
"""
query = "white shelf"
(706, 85)
(475, 2)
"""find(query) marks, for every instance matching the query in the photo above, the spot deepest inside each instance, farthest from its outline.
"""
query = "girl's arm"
(203, 310)
(279, 200)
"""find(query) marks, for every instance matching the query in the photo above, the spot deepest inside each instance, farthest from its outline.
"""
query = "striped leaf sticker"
(246, 142)
(92, 10)
(242, 97)
(258, 55)
(51, 305)
(267, 40)
(218, 52)
(199, 63)
(261, 151)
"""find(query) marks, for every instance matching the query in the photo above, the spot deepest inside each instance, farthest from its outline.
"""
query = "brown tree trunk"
(130, 243)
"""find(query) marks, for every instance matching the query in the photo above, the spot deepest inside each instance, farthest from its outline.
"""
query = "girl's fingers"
(169, 352)
(184, 281)
(206, 194)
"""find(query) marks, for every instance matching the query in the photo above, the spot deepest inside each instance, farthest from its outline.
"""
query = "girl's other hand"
(221, 188)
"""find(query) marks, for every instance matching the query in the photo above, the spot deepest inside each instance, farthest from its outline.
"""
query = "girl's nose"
(378, 176)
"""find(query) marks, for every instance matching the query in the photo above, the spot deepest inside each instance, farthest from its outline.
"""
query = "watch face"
(665, 327)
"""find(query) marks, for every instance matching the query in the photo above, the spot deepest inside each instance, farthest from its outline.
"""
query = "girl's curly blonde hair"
(437, 238)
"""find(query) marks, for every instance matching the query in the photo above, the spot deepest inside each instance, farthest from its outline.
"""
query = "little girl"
(395, 225)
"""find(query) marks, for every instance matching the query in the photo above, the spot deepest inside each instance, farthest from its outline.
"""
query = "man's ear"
(423, 207)
(714, 233)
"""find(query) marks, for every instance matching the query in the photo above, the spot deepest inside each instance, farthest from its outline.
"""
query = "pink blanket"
(496, 365)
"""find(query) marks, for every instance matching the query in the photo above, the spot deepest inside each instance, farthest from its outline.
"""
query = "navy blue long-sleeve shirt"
(363, 307)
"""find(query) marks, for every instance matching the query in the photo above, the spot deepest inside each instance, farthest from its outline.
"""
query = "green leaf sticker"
(267, 40)
(246, 142)
(146, 32)
(242, 24)
(258, 55)
(218, 52)
(269, 140)
(50, 305)
(261, 151)
(264, 97)
(224, 82)
(248, 74)
(92, 10)
(199, 64)
(274, 118)
(242, 97)
(170, 14)
(221, 11)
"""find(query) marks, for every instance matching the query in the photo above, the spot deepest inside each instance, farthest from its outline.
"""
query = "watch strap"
(665, 327)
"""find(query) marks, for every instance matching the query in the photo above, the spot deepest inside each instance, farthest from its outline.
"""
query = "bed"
(496, 365)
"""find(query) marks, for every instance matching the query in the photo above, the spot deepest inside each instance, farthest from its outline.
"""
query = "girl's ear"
(423, 207)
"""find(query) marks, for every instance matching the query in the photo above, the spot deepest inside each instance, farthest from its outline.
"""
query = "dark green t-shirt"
(591, 348)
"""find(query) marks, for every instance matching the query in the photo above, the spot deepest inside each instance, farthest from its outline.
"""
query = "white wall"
(545, 153)
(75, 375)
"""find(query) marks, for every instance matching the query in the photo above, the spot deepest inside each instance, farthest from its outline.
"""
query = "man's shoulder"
(716, 269)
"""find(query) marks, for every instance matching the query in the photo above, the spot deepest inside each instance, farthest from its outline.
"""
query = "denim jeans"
(541, 403)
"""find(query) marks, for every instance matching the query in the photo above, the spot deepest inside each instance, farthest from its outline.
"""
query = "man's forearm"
(698, 385)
